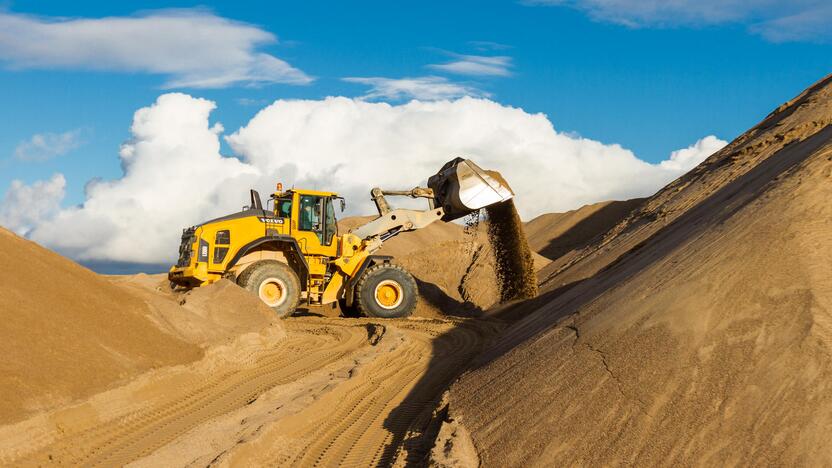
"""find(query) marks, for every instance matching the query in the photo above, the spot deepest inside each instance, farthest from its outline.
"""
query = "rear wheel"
(275, 283)
(386, 291)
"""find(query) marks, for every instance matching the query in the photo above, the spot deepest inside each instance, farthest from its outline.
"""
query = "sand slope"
(554, 235)
(67, 332)
(697, 331)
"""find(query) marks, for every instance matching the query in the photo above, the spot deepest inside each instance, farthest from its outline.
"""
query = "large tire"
(386, 291)
(275, 283)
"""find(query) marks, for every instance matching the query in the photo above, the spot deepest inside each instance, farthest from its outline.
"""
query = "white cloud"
(686, 159)
(27, 206)
(803, 25)
(477, 65)
(777, 21)
(44, 146)
(485, 46)
(176, 177)
(426, 88)
(194, 48)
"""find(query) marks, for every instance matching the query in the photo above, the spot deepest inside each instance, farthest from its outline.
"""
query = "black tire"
(275, 283)
(383, 278)
(348, 311)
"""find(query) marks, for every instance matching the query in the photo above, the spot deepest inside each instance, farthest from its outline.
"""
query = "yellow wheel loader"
(290, 251)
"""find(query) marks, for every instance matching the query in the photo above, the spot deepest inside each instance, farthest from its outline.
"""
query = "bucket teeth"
(462, 187)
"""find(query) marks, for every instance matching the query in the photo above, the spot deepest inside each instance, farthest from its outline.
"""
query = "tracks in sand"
(331, 393)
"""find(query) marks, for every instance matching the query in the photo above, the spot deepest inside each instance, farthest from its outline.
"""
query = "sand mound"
(554, 235)
(454, 266)
(206, 316)
(66, 332)
(696, 331)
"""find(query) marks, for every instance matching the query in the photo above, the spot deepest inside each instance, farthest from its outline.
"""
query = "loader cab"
(313, 220)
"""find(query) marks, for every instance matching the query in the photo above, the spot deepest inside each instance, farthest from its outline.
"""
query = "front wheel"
(275, 283)
(386, 291)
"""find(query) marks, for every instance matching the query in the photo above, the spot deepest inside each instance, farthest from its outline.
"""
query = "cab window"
(310, 213)
(284, 208)
(331, 227)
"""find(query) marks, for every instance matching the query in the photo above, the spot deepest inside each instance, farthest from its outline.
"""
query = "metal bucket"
(462, 187)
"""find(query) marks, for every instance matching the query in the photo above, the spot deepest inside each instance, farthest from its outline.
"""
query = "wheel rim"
(272, 291)
(389, 294)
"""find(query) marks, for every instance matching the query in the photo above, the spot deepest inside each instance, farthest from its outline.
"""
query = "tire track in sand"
(138, 434)
(361, 420)
(364, 421)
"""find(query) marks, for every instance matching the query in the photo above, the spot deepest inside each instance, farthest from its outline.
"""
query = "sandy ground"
(329, 392)
(697, 331)
(313, 389)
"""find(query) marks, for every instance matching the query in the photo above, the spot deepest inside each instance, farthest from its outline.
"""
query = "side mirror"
(343, 205)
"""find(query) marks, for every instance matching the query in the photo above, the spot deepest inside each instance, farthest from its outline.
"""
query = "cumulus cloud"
(26, 206)
(777, 21)
(43, 146)
(176, 177)
(426, 88)
(477, 65)
(194, 48)
(686, 159)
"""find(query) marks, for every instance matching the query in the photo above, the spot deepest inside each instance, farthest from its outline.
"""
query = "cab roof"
(318, 193)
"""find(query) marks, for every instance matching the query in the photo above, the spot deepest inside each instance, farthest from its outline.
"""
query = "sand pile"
(514, 263)
(696, 331)
(205, 316)
(557, 235)
(66, 332)
(454, 266)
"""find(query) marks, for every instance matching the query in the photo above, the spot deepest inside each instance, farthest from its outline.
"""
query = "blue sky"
(650, 82)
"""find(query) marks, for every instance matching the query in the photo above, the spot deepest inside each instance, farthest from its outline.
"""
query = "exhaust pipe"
(461, 187)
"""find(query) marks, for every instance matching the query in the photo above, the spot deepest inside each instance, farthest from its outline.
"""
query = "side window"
(221, 241)
(310, 214)
(331, 227)
(284, 208)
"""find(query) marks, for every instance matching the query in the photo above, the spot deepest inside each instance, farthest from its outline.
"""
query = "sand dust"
(514, 263)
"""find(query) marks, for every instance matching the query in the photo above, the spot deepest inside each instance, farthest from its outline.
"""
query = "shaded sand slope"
(703, 332)
(793, 121)
(554, 235)
(66, 332)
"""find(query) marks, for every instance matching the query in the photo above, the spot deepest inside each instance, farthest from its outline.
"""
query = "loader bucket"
(462, 187)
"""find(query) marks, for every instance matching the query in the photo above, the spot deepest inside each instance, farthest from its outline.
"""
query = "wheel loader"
(290, 251)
